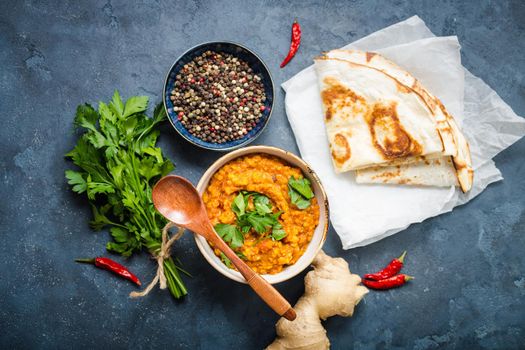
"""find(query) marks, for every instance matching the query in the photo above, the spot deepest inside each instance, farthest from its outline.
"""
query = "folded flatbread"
(412, 85)
(423, 171)
(380, 121)
(369, 122)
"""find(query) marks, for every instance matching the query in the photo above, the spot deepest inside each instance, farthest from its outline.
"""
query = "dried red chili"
(392, 282)
(390, 270)
(113, 266)
(294, 45)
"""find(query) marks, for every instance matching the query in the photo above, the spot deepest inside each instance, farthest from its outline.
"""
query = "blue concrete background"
(469, 265)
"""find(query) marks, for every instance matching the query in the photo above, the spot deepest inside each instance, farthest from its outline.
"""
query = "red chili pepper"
(392, 282)
(294, 45)
(390, 270)
(113, 266)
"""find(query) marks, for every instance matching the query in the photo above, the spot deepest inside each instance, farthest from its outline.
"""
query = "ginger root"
(330, 289)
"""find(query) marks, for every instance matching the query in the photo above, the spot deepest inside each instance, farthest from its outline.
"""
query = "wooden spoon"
(177, 199)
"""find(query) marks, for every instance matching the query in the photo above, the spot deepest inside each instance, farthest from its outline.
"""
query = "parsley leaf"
(300, 192)
(99, 217)
(135, 104)
(226, 261)
(302, 186)
(262, 204)
(76, 180)
(230, 234)
(298, 200)
(278, 232)
(239, 204)
(86, 117)
(261, 223)
(116, 105)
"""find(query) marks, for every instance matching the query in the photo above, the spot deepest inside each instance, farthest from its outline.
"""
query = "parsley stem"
(113, 223)
(168, 264)
(183, 271)
(174, 290)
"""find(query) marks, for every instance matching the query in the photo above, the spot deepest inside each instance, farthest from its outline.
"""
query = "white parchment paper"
(362, 214)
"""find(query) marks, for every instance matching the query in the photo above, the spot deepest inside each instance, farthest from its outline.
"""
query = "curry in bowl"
(265, 209)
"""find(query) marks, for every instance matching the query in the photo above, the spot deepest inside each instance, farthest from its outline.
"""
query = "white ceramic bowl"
(318, 237)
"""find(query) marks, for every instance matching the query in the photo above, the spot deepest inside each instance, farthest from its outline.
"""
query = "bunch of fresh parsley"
(118, 162)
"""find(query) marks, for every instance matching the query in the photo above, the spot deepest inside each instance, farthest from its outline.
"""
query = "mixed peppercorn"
(218, 98)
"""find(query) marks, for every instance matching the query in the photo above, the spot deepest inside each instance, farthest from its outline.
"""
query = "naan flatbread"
(386, 66)
(412, 169)
(368, 121)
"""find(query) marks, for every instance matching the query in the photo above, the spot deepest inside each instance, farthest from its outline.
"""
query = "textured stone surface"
(469, 290)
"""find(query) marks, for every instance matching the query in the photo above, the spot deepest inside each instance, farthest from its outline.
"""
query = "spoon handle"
(270, 295)
(265, 290)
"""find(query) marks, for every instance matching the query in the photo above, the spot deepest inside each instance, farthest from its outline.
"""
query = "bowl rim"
(279, 277)
(249, 140)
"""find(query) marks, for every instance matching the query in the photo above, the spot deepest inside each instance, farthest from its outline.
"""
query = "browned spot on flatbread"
(459, 165)
(445, 125)
(336, 96)
(424, 160)
(388, 135)
(369, 56)
(340, 149)
(438, 103)
(328, 113)
(387, 175)
(416, 87)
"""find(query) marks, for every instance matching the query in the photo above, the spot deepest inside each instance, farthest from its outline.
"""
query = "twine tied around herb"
(161, 255)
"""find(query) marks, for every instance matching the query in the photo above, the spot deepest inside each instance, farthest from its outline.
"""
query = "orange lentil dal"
(269, 176)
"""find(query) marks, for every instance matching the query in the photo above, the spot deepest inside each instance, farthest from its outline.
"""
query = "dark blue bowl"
(246, 55)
